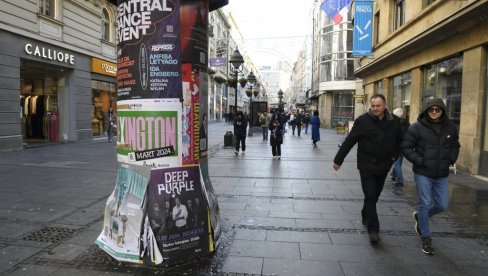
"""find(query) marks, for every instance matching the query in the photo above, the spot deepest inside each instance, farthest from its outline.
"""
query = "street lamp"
(236, 60)
(280, 104)
(251, 78)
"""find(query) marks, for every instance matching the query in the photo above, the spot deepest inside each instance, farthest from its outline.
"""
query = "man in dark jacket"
(431, 144)
(378, 135)
(240, 127)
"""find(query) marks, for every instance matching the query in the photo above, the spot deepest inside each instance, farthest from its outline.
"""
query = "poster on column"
(191, 115)
(123, 216)
(203, 114)
(211, 198)
(194, 32)
(148, 132)
(148, 55)
(178, 214)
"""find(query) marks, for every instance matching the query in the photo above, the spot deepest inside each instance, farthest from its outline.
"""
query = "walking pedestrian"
(276, 128)
(315, 122)
(306, 121)
(264, 120)
(291, 123)
(432, 145)
(111, 123)
(396, 173)
(378, 135)
(240, 127)
(298, 122)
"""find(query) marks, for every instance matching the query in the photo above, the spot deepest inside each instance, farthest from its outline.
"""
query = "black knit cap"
(436, 102)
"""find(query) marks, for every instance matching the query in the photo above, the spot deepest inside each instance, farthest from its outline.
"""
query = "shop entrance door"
(39, 104)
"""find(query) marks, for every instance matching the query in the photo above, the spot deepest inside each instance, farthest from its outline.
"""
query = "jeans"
(276, 149)
(240, 139)
(372, 186)
(265, 133)
(433, 196)
(397, 170)
(306, 128)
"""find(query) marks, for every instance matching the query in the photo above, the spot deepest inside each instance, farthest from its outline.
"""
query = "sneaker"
(374, 238)
(427, 246)
(278, 157)
(236, 152)
(243, 152)
(274, 156)
(417, 225)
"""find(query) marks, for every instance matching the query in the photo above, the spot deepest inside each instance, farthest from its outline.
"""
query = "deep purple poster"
(178, 214)
(148, 56)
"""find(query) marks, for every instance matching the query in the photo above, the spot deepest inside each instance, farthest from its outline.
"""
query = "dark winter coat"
(431, 153)
(315, 122)
(378, 143)
(276, 132)
(240, 125)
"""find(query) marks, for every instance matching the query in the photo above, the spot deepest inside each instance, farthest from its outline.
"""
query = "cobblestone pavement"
(294, 216)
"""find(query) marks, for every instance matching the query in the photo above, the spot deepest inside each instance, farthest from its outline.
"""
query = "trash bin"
(228, 139)
(341, 128)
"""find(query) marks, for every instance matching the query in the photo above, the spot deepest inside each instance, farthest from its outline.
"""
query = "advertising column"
(161, 141)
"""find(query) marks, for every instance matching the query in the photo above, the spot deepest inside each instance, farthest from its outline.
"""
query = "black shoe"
(417, 225)
(427, 246)
(374, 238)
(398, 184)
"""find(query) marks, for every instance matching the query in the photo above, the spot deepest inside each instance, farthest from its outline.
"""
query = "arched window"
(105, 25)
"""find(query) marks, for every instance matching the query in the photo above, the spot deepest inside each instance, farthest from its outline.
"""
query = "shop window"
(444, 80)
(400, 91)
(378, 87)
(103, 99)
(342, 108)
(47, 8)
(106, 30)
(399, 14)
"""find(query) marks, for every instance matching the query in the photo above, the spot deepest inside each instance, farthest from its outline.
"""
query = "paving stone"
(12, 254)
(250, 234)
(248, 265)
(336, 253)
(296, 236)
(300, 267)
(261, 249)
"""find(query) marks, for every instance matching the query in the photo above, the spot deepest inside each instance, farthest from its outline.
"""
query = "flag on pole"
(336, 9)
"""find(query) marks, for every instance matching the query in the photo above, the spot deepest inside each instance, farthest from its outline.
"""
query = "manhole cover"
(49, 234)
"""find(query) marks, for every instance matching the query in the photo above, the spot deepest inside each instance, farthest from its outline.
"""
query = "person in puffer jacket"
(432, 145)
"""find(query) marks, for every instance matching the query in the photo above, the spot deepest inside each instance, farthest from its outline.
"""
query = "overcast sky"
(273, 29)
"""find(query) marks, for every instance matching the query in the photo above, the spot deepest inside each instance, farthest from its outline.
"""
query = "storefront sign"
(103, 67)
(50, 54)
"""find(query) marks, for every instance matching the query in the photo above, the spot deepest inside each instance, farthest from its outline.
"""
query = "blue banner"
(363, 28)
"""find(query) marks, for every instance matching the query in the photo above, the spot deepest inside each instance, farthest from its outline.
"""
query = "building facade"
(334, 83)
(426, 49)
(57, 71)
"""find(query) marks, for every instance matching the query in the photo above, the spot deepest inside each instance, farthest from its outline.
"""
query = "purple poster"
(148, 56)
(177, 213)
